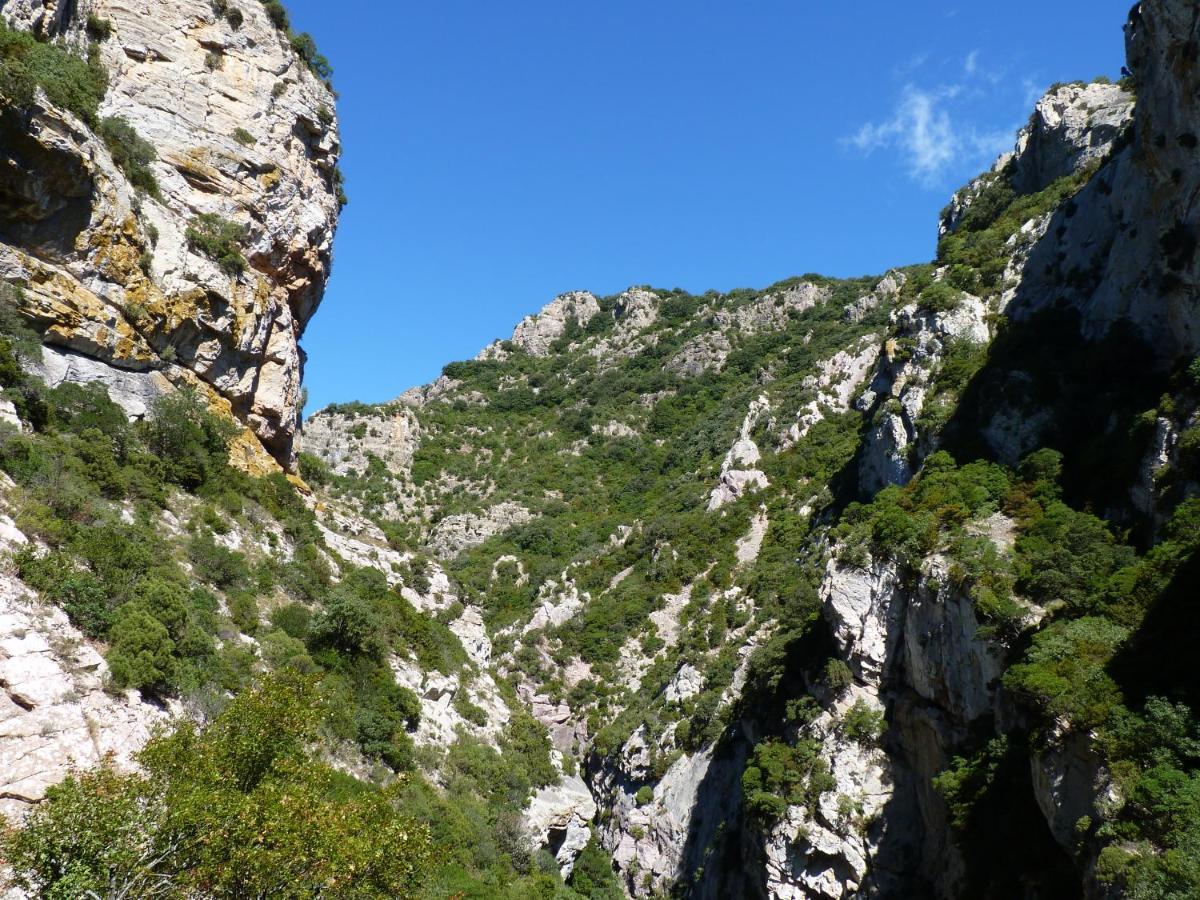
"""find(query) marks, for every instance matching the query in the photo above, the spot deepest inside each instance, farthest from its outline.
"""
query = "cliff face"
(241, 129)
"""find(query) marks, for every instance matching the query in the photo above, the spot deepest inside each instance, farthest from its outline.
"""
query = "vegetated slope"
(833, 587)
(836, 588)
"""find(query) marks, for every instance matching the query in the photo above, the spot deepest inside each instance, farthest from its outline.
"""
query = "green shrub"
(220, 240)
(779, 775)
(315, 470)
(243, 609)
(306, 48)
(940, 297)
(191, 442)
(275, 820)
(276, 13)
(98, 28)
(838, 677)
(243, 137)
(140, 654)
(644, 795)
(474, 714)
(293, 619)
(213, 60)
(1064, 671)
(863, 723)
(71, 83)
(131, 152)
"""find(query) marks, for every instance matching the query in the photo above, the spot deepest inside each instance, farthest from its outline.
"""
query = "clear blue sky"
(497, 154)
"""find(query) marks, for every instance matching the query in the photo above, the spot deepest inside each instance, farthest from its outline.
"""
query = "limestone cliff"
(241, 129)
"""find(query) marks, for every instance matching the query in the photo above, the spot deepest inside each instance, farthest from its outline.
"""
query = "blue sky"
(497, 154)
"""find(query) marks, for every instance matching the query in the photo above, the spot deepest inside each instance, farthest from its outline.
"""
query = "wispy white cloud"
(934, 132)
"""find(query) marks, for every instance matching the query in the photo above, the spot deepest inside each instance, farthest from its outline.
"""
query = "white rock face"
(738, 473)
(836, 382)
(899, 386)
(824, 853)
(440, 720)
(772, 311)
(652, 844)
(1072, 126)
(703, 353)
(535, 334)
(559, 817)
(748, 546)
(455, 533)
(54, 713)
(183, 315)
(392, 436)
(134, 392)
(914, 652)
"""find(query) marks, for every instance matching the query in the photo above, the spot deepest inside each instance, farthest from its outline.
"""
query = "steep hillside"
(773, 687)
(836, 588)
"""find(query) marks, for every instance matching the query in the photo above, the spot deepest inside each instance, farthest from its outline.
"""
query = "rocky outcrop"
(1126, 246)
(705, 353)
(241, 129)
(896, 395)
(346, 441)
(453, 534)
(912, 646)
(559, 818)
(772, 311)
(739, 472)
(535, 334)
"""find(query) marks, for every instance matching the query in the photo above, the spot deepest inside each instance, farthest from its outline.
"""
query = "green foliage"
(977, 250)
(306, 48)
(191, 442)
(779, 775)
(314, 470)
(141, 651)
(276, 13)
(863, 723)
(220, 240)
(71, 83)
(98, 28)
(243, 137)
(237, 809)
(593, 875)
(967, 779)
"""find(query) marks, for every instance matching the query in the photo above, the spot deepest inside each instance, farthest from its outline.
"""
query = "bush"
(276, 13)
(70, 83)
(779, 775)
(220, 240)
(293, 619)
(863, 723)
(275, 820)
(940, 297)
(141, 652)
(131, 152)
(838, 677)
(191, 442)
(644, 795)
(306, 48)
(98, 28)
(243, 137)
(314, 470)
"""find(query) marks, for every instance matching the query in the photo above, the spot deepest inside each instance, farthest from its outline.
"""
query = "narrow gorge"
(871, 587)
